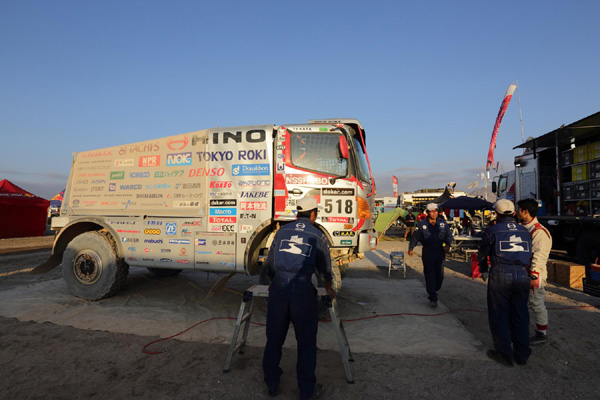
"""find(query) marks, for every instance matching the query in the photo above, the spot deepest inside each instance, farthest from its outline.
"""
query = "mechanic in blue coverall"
(508, 246)
(433, 232)
(299, 250)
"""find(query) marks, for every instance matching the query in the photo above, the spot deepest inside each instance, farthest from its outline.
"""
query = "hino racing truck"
(210, 200)
(561, 170)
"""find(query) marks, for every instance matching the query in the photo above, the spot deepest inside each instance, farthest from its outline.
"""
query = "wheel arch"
(79, 226)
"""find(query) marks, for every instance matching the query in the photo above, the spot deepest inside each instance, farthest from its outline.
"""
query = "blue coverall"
(432, 238)
(508, 246)
(298, 250)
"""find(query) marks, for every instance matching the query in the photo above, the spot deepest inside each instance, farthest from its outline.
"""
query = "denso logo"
(251, 155)
(250, 169)
(149, 161)
(206, 172)
(177, 143)
(178, 159)
(306, 180)
(214, 155)
(220, 184)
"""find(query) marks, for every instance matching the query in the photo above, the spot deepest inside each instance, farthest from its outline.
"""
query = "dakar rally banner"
(395, 186)
(490, 158)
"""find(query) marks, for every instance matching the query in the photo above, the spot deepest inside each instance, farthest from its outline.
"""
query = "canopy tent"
(57, 200)
(444, 197)
(467, 203)
(22, 214)
(386, 219)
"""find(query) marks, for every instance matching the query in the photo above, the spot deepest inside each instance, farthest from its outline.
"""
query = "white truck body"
(210, 200)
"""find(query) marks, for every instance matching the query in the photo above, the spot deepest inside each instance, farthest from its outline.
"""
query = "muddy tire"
(164, 272)
(91, 268)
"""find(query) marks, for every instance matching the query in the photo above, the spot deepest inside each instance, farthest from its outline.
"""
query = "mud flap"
(54, 261)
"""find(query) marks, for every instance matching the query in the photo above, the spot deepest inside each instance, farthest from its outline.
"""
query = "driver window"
(318, 152)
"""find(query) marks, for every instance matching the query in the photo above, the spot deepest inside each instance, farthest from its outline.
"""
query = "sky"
(425, 78)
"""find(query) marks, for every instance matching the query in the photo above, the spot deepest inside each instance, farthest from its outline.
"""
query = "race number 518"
(340, 205)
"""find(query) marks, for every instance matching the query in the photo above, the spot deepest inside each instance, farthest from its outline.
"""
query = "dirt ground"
(42, 360)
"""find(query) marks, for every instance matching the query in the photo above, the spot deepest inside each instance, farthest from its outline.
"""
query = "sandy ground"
(44, 360)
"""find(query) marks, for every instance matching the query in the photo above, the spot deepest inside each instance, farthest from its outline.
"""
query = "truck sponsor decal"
(223, 211)
(128, 162)
(251, 155)
(254, 195)
(139, 148)
(152, 231)
(157, 186)
(340, 220)
(220, 184)
(185, 204)
(206, 172)
(127, 231)
(149, 196)
(306, 180)
(222, 220)
(153, 241)
(169, 174)
(254, 182)
(177, 143)
(171, 228)
(346, 242)
(96, 153)
(149, 161)
(253, 205)
(139, 174)
(344, 233)
(251, 136)
(130, 187)
(215, 155)
(223, 203)
(195, 185)
(200, 242)
(116, 175)
(179, 241)
(338, 192)
(250, 169)
(178, 159)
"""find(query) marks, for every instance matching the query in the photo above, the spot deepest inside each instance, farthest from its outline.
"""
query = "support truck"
(210, 200)
(561, 170)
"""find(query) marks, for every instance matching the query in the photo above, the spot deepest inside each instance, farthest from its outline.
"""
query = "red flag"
(395, 185)
(503, 107)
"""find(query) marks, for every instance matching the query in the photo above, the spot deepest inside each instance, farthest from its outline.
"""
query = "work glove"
(484, 276)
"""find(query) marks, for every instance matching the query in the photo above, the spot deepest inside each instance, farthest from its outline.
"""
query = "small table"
(466, 244)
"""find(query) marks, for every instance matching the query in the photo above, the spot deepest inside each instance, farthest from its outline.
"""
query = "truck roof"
(578, 132)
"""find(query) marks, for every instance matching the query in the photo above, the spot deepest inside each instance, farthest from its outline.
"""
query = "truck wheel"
(588, 247)
(164, 272)
(91, 268)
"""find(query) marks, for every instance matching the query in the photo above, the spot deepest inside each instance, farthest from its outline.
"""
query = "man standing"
(433, 232)
(298, 251)
(409, 221)
(541, 242)
(508, 246)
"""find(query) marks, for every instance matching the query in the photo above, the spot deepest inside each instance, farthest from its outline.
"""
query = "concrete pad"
(162, 307)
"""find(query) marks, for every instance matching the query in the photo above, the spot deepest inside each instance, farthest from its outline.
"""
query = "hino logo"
(251, 136)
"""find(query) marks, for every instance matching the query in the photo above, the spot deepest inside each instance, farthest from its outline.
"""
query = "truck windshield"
(318, 152)
(363, 166)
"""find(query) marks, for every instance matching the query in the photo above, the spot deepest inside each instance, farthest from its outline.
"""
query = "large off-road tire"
(164, 272)
(588, 248)
(91, 268)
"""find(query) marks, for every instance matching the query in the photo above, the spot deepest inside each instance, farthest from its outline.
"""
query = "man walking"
(409, 221)
(433, 232)
(508, 246)
(298, 251)
(541, 242)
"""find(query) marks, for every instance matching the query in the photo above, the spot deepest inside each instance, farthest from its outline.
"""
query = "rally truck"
(561, 170)
(210, 200)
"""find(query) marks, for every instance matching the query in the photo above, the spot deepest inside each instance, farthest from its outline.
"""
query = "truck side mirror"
(344, 147)
(494, 187)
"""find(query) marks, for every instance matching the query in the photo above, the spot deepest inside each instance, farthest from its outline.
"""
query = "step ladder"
(245, 315)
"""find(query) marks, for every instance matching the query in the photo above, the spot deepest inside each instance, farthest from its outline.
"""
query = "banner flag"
(503, 107)
(395, 186)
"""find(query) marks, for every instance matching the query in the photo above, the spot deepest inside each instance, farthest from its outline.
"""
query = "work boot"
(317, 392)
(433, 303)
(500, 358)
(538, 338)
